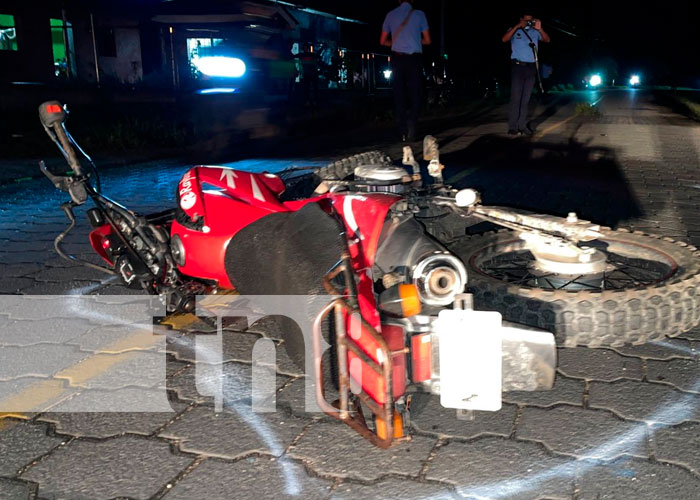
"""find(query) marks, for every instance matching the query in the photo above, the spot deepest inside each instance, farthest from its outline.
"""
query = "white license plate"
(470, 359)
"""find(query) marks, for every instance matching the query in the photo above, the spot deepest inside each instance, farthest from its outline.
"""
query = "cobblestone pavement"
(619, 423)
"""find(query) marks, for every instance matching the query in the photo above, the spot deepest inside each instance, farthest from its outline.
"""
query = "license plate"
(470, 359)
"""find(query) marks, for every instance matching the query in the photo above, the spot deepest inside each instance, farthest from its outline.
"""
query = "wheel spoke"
(516, 267)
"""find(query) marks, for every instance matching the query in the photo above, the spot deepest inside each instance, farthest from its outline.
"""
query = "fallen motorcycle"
(393, 255)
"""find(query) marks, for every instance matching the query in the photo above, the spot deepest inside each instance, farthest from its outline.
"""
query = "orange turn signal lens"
(410, 300)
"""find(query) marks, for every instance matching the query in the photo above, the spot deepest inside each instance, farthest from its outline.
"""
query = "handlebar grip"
(53, 116)
(51, 113)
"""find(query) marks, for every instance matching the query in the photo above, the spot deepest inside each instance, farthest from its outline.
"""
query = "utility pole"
(443, 61)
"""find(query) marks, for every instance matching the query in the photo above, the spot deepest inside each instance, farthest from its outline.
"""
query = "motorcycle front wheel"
(649, 290)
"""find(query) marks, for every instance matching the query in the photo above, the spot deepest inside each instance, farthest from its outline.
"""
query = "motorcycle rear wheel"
(653, 291)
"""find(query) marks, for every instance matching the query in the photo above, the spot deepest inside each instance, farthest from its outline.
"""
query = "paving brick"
(662, 350)
(597, 364)
(681, 373)
(13, 394)
(583, 433)
(135, 368)
(236, 346)
(19, 270)
(498, 468)
(11, 489)
(59, 274)
(565, 390)
(394, 489)
(645, 401)
(41, 360)
(16, 285)
(119, 338)
(131, 399)
(433, 418)
(235, 382)
(630, 478)
(234, 432)
(679, 445)
(256, 477)
(55, 331)
(124, 467)
(335, 449)
(103, 425)
(692, 334)
(294, 398)
(21, 443)
(72, 287)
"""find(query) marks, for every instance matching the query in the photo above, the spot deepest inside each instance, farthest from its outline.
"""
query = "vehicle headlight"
(177, 250)
(439, 277)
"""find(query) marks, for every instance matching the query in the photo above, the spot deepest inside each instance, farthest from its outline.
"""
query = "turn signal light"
(401, 300)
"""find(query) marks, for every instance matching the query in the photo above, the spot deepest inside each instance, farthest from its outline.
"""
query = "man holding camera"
(524, 39)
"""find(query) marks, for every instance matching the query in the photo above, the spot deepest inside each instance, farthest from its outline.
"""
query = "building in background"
(178, 44)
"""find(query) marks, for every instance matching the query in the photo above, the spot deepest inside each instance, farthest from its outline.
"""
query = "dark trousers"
(522, 77)
(407, 76)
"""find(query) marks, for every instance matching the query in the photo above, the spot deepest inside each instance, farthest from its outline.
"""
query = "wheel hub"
(559, 261)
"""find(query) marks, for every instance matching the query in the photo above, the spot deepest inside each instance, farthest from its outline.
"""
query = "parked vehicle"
(393, 256)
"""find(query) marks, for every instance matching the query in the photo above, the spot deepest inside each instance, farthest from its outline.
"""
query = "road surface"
(619, 423)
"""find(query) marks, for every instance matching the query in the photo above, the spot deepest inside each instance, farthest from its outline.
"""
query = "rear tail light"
(421, 357)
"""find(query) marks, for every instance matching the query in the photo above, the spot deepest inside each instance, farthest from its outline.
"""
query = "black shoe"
(513, 132)
(527, 131)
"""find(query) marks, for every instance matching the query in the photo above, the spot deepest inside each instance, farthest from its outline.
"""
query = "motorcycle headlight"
(439, 277)
(177, 250)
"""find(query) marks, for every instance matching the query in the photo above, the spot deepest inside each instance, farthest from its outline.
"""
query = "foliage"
(586, 109)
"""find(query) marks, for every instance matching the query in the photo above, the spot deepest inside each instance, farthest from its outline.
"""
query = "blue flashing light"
(218, 90)
(221, 66)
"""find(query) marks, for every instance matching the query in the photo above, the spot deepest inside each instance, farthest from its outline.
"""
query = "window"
(62, 45)
(106, 42)
(200, 47)
(8, 33)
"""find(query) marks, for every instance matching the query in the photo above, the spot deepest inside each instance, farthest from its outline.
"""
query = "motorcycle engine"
(382, 179)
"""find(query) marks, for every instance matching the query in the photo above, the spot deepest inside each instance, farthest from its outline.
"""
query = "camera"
(531, 23)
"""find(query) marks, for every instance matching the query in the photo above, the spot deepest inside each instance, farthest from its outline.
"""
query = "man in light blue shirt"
(405, 30)
(524, 40)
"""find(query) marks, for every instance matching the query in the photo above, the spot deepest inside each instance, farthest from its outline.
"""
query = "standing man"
(524, 39)
(405, 30)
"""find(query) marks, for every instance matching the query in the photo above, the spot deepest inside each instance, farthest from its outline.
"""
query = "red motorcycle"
(394, 258)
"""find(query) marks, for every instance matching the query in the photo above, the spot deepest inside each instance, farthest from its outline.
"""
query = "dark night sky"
(661, 39)
(658, 40)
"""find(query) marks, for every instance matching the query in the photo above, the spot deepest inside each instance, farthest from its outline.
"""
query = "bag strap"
(401, 27)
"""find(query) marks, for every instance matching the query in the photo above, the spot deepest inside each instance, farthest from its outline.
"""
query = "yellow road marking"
(562, 122)
(554, 127)
(93, 366)
(52, 390)
(37, 394)
(180, 321)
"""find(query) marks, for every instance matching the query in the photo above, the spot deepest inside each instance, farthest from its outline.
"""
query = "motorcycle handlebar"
(53, 116)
